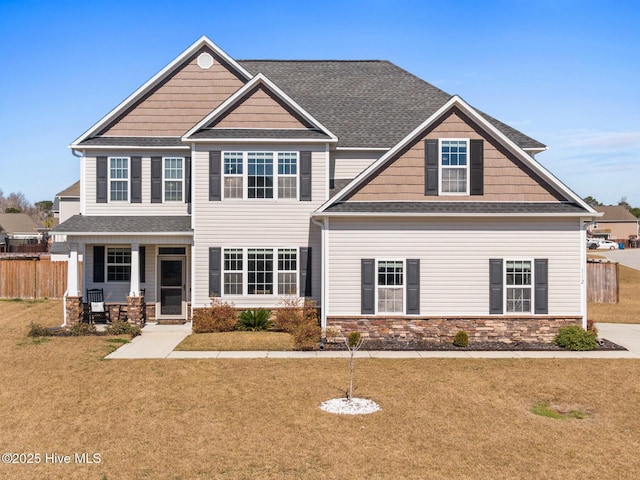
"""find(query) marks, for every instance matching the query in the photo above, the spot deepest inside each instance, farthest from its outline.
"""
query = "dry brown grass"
(259, 418)
(627, 310)
(226, 341)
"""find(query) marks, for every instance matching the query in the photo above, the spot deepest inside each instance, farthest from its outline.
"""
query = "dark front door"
(172, 287)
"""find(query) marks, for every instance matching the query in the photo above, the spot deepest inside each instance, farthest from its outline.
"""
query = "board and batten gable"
(454, 256)
(89, 201)
(254, 223)
(180, 101)
(505, 177)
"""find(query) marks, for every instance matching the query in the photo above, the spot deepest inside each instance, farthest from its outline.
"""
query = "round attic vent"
(205, 61)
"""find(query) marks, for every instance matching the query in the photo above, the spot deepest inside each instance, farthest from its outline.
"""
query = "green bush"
(574, 337)
(82, 329)
(461, 339)
(220, 317)
(121, 327)
(37, 330)
(255, 320)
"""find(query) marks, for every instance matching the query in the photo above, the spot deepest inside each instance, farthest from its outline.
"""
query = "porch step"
(177, 321)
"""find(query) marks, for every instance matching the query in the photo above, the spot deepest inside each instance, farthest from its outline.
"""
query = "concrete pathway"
(629, 257)
(159, 341)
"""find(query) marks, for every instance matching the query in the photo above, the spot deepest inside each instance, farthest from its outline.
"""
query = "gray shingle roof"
(134, 141)
(216, 133)
(365, 103)
(615, 213)
(70, 191)
(472, 208)
(125, 224)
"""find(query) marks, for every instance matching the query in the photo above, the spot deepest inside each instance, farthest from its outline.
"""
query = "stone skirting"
(396, 331)
(74, 309)
(135, 311)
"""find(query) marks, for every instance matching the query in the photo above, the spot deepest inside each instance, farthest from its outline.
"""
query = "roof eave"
(449, 214)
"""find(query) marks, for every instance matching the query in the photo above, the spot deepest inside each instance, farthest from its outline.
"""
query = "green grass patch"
(118, 340)
(545, 410)
(237, 341)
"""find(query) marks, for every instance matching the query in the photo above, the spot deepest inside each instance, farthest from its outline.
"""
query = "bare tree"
(353, 342)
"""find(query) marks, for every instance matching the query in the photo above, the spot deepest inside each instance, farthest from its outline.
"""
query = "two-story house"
(405, 212)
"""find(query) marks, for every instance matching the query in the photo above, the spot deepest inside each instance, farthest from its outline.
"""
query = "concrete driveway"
(628, 257)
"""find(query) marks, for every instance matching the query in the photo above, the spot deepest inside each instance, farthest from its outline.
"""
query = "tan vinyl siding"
(505, 178)
(260, 110)
(454, 259)
(91, 207)
(348, 165)
(254, 223)
(180, 102)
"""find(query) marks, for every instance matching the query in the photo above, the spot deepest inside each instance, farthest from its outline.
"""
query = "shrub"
(306, 335)
(82, 329)
(255, 320)
(37, 330)
(591, 327)
(574, 337)
(289, 315)
(220, 317)
(299, 318)
(120, 327)
(461, 339)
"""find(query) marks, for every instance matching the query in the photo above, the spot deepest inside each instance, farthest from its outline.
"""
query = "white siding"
(350, 164)
(254, 223)
(454, 259)
(68, 208)
(127, 208)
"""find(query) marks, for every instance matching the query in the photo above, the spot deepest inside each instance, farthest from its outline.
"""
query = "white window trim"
(127, 180)
(107, 264)
(440, 167)
(245, 272)
(404, 285)
(505, 286)
(245, 176)
(164, 180)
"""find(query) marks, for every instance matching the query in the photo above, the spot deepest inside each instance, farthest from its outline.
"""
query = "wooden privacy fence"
(602, 282)
(32, 277)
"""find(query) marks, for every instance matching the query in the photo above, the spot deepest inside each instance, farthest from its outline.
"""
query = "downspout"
(323, 280)
(583, 270)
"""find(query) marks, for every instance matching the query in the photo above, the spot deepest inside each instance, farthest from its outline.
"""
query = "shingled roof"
(371, 103)
(459, 208)
(126, 224)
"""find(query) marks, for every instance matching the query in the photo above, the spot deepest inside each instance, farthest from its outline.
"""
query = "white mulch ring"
(354, 406)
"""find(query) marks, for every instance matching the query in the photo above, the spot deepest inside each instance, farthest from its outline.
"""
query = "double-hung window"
(118, 264)
(173, 179)
(390, 286)
(260, 271)
(518, 286)
(258, 175)
(119, 179)
(454, 166)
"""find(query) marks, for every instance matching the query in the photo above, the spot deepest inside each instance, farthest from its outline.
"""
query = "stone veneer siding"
(395, 331)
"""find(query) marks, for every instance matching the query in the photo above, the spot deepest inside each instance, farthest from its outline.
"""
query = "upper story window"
(454, 167)
(173, 179)
(119, 179)
(260, 175)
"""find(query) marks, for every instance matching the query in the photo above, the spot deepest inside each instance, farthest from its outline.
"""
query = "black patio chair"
(97, 310)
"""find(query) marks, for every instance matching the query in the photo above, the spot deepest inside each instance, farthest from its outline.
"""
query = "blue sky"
(565, 72)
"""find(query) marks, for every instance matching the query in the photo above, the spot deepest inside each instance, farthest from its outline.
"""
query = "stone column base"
(135, 311)
(75, 309)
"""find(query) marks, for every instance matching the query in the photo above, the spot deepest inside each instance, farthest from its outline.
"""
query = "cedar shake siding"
(260, 110)
(180, 102)
(505, 178)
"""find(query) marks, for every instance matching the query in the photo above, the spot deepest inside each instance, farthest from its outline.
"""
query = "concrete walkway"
(627, 257)
(159, 341)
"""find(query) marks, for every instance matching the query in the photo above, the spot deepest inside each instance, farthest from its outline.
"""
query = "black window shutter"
(305, 176)
(368, 285)
(136, 179)
(477, 167)
(187, 183)
(431, 167)
(413, 287)
(495, 286)
(215, 176)
(156, 179)
(101, 179)
(305, 272)
(98, 264)
(215, 256)
(142, 255)
(540, 272)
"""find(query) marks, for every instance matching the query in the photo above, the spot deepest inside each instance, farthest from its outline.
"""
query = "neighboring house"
(18, 231)
(616, 223)
(67, 203)
(405, 212)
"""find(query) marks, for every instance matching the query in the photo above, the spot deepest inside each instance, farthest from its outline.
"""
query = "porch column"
(72, 271)
(135, 271)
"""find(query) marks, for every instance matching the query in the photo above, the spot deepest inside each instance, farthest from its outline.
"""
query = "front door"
(172, 287)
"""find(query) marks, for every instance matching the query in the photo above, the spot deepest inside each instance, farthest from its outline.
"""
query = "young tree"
(353, 342)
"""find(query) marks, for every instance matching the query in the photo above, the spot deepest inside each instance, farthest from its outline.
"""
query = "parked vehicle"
(607, 245)
(593, 243)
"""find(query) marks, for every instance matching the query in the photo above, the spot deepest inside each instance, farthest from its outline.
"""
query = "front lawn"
(260, 418)
(229, 341)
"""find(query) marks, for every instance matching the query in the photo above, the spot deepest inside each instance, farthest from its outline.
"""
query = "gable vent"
(205, 61)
